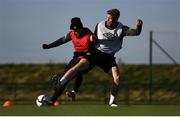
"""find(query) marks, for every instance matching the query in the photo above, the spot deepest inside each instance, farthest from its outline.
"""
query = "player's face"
(78, 31)
(111, 20)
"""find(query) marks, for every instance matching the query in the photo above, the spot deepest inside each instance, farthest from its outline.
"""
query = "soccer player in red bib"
(82, 39)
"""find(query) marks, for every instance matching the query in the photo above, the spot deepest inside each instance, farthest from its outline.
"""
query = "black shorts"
(103, 60)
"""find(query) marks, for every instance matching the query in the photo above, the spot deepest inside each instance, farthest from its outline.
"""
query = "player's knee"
(117, 79)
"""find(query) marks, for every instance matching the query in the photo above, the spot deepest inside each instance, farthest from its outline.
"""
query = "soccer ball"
(42, 100)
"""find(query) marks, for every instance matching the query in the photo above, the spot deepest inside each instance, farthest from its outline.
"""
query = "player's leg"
(108, 64)
(115, 85)
(79, 79)
(68, 67)
(77, 83)
(57, 92)
(79, 67)
(56, 78)
(72, 63)
(82, 65)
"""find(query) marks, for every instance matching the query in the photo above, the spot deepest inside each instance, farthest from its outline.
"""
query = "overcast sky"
(26, 24)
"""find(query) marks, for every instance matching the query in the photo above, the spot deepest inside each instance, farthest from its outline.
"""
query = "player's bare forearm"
(133, 32)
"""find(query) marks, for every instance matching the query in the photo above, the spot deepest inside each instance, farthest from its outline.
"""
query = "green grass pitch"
(91, 110)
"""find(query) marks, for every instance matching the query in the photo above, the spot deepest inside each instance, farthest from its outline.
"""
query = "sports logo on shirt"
(110, 36)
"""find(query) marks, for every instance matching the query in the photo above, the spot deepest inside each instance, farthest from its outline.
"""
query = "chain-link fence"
(128, 94)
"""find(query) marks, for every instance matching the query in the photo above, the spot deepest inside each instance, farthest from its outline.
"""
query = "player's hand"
(94, 39)
(45, 46)
(139, 22)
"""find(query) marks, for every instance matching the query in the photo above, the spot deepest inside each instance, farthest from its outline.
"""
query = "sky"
(27, 24)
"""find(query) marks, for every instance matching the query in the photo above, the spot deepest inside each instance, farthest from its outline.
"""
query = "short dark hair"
(114, 12)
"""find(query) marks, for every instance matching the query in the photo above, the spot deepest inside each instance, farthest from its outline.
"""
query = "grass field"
(91, 110)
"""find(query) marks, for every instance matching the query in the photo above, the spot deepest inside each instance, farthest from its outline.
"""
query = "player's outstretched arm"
(58, 42)
(127, 31)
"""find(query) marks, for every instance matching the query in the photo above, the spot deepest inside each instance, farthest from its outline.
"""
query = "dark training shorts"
(104, 61)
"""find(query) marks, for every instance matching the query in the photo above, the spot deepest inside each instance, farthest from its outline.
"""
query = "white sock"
(63, 80)
(73, 92)
(112, 98)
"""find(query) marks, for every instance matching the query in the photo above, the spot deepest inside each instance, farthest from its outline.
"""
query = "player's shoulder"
(101, 23)
(87, 30)
(123, 26)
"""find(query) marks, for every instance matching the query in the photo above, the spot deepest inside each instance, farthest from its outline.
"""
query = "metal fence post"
(150, 67)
